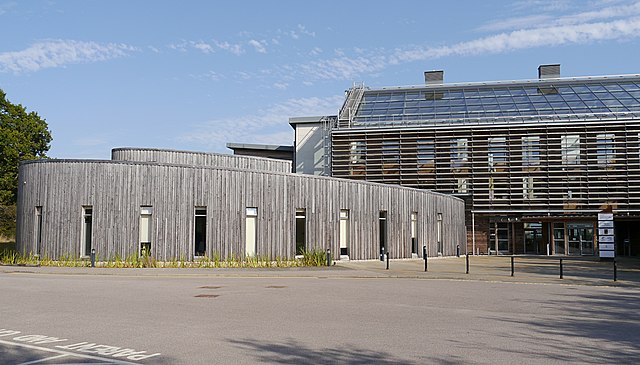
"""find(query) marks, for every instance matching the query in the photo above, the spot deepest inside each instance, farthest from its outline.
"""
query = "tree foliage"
(23, 136)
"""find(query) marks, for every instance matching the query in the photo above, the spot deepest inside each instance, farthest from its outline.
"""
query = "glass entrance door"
(580, 237)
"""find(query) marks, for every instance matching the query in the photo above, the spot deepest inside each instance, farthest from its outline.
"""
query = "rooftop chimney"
(434, 77)
(549, 71)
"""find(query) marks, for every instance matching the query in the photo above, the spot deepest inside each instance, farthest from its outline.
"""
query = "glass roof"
(558, 100)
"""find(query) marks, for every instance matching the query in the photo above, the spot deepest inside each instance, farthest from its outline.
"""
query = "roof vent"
(549, 71)
(434, 77)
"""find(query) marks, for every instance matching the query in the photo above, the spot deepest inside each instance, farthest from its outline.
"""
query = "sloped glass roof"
(558, 99)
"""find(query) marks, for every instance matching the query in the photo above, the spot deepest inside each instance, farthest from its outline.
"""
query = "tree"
(23, 136)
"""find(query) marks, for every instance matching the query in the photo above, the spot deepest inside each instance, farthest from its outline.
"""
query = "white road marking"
(43, 360)
(64, 353)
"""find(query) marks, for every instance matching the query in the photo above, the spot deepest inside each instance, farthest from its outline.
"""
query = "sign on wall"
(606, 241)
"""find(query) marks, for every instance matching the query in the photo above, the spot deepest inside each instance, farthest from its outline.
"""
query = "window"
(301, 231)
(357, 151)
(605, 150)
(200, 232)
(497, 153)
(382, 220)
(425, 155)
(530, 151)
(37, 230)
(251, 231)
(390, 157)
(462, 185)
(145, 230)
(87, 218)
(344, 232)
(527, 188)
(570, 145)
(414, 232)
(459, 153)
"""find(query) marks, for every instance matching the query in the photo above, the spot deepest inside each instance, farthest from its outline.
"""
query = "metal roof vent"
(549, 71)
(434, 77)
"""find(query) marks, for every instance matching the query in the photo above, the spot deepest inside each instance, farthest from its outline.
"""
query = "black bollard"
(424, 256)
(93, 257)
(467, 263)
(615, 270)
(328, 257)
(457, 250)
(512, 266)
(388, 254)
(560, 268)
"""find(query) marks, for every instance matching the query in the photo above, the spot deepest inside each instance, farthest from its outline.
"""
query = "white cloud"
(260, 46)
(281, 85)
(235, 49)
(528, 38)
(267, 126)
(343, 67)
(202, 46)
(59, 53)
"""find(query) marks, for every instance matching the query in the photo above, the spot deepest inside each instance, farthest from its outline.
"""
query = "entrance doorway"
(575, 239)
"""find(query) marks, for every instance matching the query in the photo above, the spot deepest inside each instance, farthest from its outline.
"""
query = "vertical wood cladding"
(199, 159)
(116, 191)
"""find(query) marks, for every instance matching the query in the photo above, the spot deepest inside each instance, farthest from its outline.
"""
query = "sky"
(196, 75)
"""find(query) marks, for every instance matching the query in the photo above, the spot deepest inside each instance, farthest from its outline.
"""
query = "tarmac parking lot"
(352, 313)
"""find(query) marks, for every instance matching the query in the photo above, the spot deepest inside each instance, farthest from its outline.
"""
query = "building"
(534, 160)
(262, 150)
(179, 204)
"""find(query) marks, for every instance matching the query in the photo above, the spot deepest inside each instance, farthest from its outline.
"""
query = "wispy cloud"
(59, 53)
(344, 67)
(260, 46)
(550, 16)
(267, 126)
(233, 48)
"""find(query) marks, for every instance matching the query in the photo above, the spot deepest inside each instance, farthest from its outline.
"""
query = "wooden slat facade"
(174, 188)
(199, 159)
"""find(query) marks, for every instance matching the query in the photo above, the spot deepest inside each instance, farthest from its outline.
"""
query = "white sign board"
(607, 254)
(605, 216)
(606, 240)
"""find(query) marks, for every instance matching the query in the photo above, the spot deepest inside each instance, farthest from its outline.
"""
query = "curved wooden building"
(176, 204)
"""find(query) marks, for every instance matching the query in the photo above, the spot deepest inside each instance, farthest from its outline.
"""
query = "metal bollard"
(560, 268)
(388, 254)
(512, 266)
(467, 263)
(457, 250)
(328, 257)
(424, 256)
(93, 257)
(615, 270)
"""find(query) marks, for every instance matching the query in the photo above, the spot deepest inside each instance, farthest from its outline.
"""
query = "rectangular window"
(37, 230)
(382, 220)
(530, 151)
(425, 155)
(301, 231)
(497, 153)
(439, 234)
(414, 232)
(357, 151)
(527, 188)
(200, 232)
(146, 214)
(87, 227)
(605, 150)
(251, 231)
(390, 157)
(344, 232)
(570, 145)
(459, 153)
(462, 185)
